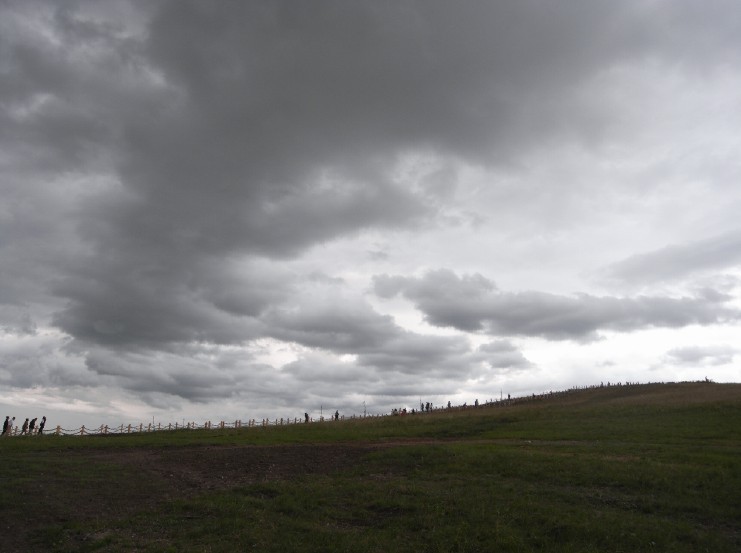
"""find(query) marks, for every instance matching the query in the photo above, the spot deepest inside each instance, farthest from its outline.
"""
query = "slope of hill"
(621, 468)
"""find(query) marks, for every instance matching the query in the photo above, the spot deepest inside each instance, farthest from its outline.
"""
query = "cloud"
(345, 326)
(678, 261)
(183, 181)
(693, 356)
(263, 131)
(502, 354)
(473, 303)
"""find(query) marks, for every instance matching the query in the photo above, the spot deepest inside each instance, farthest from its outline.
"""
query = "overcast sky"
(242, 209)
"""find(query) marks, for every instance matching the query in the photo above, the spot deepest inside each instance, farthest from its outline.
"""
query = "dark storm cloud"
(130, 304)
(678, 261)
(122, 301)
(473, 303)
(67, 86)
(266, 128)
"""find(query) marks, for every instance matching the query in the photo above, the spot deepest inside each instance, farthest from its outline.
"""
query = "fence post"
(129, 429)
(106, 429)
(222, 425)
(59, 430)
(149, 427)
(82, 430)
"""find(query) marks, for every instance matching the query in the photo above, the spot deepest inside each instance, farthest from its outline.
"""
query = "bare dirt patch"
(114, 484)
(194, 469)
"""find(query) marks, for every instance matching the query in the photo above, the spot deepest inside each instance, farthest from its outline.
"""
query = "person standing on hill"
(24, 428)
(32, 425)
(41, 425)
(5, 426)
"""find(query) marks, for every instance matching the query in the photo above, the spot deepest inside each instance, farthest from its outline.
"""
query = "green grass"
(640, 468)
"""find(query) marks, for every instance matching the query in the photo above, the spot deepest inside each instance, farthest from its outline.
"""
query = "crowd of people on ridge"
(28, 428)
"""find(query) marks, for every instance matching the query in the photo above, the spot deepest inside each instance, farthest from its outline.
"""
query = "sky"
(235, 210)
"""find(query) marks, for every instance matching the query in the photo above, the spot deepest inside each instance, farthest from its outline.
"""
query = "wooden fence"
(105, 429)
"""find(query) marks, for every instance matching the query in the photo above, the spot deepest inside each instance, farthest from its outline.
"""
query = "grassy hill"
(620, 468)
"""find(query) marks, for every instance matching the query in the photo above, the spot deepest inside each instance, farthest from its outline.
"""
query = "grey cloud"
(353, 327)
(431, 356)
(318, 381)
(315, 316)
(66, 86)
(340, 326)
(127, 308)
(17, 321)
(378, 255)
(327, 373)
(198, 373)
(160, 160)
(30, 359)
(443, 283)
(678, 261)
(265, 129)
(471, 303)
(702, 355)
(502, 354)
